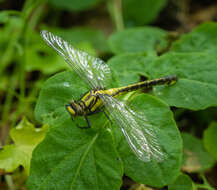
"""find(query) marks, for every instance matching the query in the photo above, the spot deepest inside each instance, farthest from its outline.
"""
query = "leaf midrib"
(80, 163)
(82, 159)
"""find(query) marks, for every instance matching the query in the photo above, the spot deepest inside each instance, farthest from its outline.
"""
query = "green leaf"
(183, 182)
(61, 88)
(141, 39)
(210, 139)
(201, 39)
(154, 173)
(41, 57)
(128, 68)
(26, 137)
(4, 16)
(74, 158)
(58, 91)
(138, 12)
(197, 83)
(196, 158)
(75, 5)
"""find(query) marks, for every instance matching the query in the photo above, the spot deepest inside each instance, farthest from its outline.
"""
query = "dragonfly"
(138, 131)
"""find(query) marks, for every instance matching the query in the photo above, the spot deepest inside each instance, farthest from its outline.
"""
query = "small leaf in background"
(75, 5)
(25, 137)
(196, 87)
(74, 158)
(4, 17)
(183, 182)
(210, 139)
(201, 39)
(41, 57)
(141, 39)
(196, 158)
(138, 12)
(156, 174)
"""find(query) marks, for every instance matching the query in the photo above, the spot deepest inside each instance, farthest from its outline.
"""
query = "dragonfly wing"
(139, 133)
(92, 70)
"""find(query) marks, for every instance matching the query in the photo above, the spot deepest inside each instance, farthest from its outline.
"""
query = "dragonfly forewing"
(93, 71)
(139, 133)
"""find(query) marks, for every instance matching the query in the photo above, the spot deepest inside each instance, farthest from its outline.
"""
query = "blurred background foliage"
(97, 27)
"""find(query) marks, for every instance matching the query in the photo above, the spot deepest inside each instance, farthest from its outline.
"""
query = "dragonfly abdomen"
(168, 80)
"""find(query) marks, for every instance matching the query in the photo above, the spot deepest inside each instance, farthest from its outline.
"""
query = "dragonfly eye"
(71, 108)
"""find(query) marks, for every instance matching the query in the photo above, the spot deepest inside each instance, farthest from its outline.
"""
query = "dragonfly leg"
(107, 116)
(100, 110)
(88, 124)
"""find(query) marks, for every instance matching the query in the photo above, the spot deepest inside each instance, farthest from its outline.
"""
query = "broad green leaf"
(128, 68)
(197, 83)
(196, 158)
(141, 39)
(201, 39)
(138, 12)
(26, 137)
(154, 173)
(183, 182)
(210, 139)
(74, 158)
(61, 88)
(75, 5)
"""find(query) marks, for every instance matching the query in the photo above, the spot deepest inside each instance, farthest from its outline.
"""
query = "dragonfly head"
(73, 108)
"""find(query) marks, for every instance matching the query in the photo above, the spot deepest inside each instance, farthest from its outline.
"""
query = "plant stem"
(9, 182)
(9, 97)
(115, 9)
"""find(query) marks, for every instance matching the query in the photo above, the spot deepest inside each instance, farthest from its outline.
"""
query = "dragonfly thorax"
(87, 105)
(74, 108)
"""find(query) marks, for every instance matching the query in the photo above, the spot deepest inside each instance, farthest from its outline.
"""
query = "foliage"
(195, 157)
(25, 137)
(67, 157)
(209, 139)
(182, 182)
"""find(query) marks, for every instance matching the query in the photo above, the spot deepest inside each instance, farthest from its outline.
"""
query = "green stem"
(115, 9)
(8, 54)
(9, 182)
(9, 97)
(205, 184)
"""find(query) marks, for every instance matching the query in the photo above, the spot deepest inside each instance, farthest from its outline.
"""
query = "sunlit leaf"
(25, 137)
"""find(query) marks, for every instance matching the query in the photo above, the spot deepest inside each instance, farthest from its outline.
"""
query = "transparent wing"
(139, 133)
(92, 70)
